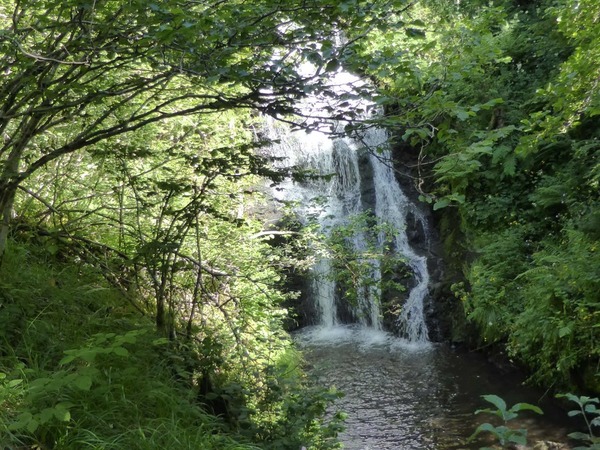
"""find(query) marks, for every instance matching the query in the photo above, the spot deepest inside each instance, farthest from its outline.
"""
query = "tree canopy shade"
(76, 73)
(129, 175)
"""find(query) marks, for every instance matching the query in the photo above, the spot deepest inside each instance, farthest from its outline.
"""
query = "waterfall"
(392, 206)
(351, 176)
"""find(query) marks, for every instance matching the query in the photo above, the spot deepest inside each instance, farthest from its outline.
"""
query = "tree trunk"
(8, 191)
(9, 181)
(7, 198)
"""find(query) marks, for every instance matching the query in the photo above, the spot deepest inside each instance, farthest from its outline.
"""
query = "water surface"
(407, 396)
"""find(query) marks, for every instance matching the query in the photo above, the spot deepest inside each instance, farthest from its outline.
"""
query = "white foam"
(362, 338)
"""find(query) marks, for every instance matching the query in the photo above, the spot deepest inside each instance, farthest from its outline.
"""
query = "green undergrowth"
(80, 367)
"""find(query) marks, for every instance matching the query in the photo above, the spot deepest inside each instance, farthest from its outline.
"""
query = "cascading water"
(330, 200)
(392, 206)
(336, 194)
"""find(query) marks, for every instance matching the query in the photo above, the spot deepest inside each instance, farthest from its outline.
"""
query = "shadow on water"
(405, 396)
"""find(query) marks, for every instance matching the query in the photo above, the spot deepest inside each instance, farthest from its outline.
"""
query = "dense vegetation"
(139, 296)
(140, 302)
(501, 103)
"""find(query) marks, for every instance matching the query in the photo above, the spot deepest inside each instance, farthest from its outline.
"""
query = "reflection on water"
(407, 396)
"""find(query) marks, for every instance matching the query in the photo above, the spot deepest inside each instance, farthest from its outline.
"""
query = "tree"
(78, 72)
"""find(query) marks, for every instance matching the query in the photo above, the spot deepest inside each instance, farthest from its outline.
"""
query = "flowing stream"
(400, 396)
(400, 392)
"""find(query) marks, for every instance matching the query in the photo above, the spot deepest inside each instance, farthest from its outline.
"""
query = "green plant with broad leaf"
(589, 411)
(354, 264)
(503, 433)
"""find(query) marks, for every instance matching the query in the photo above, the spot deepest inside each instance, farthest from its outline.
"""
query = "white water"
(333, 200)
(392, 206)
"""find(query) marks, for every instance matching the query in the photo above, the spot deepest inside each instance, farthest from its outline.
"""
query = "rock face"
(367, 188)
(444, 311)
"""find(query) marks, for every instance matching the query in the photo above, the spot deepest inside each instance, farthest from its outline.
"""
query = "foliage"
(499, 102)
(104, 396)
(362, 258)
(109, 380)
(505, 435)
(129, 194)
(291, 417)
(129, 185)
(78, 75)
(588, 409)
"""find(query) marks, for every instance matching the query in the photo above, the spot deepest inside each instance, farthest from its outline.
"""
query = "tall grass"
(115, 391)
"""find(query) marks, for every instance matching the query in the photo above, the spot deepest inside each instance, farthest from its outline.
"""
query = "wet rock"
(445, 316)
(367, 187)
(548, 445)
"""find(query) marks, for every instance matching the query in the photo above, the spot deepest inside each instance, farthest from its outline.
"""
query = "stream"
(402, 396)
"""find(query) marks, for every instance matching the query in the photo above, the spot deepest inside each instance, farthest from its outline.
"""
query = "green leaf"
(425, 199)
(332, 65)
(496, 401)
(462, 114)
(423, 133)
(39, 383)
(46, 415)
(130, 338)
(458, 198)
(519, 437)
(415, 32)
(14, 383)
(441, 203)
(120, 351)
(62, 414)
(591, 408)
(579, 436)
(504, 60)
(429, 46)
(83, 382)
(417, 23)
(64, 405)
(493, 102)
(32, 425)
(570, 397)
(22, 420)
(67, 360)
(526, 407)
(564, 331)
(52, 249)
(486, 427)
(481, 428)
(510, 164)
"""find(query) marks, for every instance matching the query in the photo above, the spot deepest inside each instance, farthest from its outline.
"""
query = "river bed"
(400, 395)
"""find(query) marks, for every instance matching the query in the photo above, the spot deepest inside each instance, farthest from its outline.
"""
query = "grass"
(117, 392)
